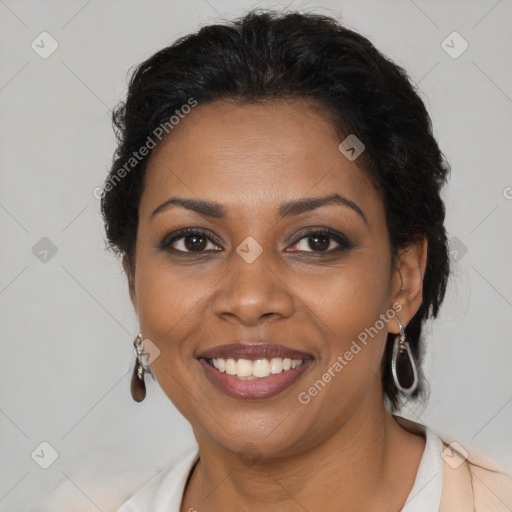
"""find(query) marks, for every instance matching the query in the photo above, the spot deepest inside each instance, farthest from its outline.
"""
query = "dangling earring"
(403, 366)
(138, 386)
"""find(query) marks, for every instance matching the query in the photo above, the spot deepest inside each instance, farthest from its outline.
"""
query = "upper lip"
(252, 350)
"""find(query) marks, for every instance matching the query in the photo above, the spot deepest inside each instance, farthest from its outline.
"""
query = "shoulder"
(105, 491)
(122, 491)
(471, 482)
(472, 486)
(492, 489)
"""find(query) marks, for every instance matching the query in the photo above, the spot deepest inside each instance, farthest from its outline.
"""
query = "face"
(263, 275)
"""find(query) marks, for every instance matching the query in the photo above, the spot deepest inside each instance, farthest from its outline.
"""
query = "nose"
(252, 293)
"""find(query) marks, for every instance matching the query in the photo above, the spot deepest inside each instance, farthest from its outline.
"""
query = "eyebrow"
(288, 209)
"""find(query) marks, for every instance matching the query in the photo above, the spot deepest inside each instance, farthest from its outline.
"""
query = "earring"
(403, 366)
(137, 385)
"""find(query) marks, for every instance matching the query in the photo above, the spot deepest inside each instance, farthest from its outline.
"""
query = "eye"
(322, 241)
(188, 240)
(195, 240)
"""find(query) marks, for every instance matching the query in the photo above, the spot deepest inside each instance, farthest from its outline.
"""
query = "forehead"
(249, 156)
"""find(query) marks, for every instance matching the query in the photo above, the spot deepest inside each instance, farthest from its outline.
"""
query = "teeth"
(261, 368)
(276, 365)
(244, 368)
(230, 366)
(247, 369)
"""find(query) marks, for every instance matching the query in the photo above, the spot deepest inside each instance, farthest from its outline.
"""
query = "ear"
(407, 281)
(130, 275)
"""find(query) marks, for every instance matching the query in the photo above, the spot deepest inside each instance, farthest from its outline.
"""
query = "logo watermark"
(351, 147)
(454, 45)
(454, 455)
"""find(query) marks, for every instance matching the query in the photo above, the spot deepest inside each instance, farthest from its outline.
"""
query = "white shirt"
(164, 492)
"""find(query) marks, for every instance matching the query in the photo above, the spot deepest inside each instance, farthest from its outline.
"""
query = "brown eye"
(317, 243)
(193, 243)
(189, 241)
(320, 243)
(324, 240)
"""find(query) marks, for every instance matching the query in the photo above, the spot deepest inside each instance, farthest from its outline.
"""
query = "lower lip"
(256, 389)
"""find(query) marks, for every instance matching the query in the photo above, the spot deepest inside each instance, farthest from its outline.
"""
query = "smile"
(253, 371)
(246, 369)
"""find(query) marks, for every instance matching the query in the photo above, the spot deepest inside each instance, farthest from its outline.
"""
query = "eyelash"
(339, 238)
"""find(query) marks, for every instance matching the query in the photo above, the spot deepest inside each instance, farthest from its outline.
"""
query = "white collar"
(164, 492)
(425, 495)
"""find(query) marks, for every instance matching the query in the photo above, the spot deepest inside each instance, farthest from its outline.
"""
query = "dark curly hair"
(268, 55)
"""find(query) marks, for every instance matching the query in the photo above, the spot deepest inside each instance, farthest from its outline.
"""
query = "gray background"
(67, 323)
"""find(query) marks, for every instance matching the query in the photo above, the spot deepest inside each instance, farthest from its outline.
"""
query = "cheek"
(168, 296)
(173, 313)
(168, 316)
(349, 305)
(350, 297)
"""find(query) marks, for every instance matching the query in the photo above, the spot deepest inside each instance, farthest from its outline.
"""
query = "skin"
(259, 454)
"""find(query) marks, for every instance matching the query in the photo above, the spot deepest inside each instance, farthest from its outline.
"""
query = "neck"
(368, 464)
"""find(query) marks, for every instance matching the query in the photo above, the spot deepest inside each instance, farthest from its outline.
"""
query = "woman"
(275, 199)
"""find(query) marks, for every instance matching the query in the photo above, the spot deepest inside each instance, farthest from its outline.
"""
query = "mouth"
(253, 371)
